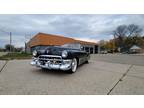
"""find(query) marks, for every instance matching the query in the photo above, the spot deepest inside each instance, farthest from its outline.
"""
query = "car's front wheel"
(74, 65)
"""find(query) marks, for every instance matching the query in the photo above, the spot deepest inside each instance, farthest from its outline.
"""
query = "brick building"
(42, 40)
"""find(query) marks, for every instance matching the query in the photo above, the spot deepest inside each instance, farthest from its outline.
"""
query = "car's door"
(82, 57)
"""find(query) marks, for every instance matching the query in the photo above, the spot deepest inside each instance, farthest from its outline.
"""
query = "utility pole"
(25, 43)
(10, 42)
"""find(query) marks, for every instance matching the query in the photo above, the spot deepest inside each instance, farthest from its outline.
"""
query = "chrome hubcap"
(74, 65)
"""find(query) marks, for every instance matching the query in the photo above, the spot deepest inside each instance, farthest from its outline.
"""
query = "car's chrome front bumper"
(64, 65)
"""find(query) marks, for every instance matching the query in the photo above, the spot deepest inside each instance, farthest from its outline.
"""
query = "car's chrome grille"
(50, 58)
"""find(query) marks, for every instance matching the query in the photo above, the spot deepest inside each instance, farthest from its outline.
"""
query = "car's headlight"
(64, 54)
(34, 53)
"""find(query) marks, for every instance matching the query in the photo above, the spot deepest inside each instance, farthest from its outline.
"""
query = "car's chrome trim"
(50, 59)
(64, 65)
(50, 56)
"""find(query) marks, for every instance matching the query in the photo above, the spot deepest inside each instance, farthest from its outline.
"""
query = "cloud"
(89, 27)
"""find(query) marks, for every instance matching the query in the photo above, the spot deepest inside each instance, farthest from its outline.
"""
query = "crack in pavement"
(3, 66)
(120, 79)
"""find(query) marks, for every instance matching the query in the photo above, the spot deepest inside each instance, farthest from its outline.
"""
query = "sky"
(89, 27)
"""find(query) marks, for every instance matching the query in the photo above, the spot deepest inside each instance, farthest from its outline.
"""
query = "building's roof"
(135, 47)
(49, 39)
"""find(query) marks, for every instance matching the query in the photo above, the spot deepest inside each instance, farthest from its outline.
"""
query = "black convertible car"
(67, 57)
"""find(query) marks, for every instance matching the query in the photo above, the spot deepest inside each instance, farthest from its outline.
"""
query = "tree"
(127, 31)
(120, 31)
(119, 35)
(134, 30)
(125, 36)
(102, 44)
(8, 46)
(110, 46)
(1, 49)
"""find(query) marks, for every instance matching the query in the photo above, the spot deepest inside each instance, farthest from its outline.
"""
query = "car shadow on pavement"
(49, 72)
(55, 72)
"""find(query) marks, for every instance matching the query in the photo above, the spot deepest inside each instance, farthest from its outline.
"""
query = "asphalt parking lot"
(104, 75)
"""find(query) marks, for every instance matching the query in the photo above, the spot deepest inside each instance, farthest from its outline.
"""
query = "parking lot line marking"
(3, 66)
(120, 79)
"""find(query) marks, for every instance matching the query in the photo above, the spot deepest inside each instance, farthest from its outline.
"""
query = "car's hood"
(56, 50)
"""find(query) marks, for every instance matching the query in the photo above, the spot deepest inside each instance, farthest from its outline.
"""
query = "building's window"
(87, 49)
(91, 50)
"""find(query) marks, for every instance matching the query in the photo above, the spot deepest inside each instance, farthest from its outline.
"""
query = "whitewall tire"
(74, 65)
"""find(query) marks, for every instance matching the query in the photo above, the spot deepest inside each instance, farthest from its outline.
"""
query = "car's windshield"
(72, 45)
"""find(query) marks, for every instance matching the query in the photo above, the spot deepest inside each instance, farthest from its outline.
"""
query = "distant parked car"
(67, 57)
(126, 52)
(103, 52)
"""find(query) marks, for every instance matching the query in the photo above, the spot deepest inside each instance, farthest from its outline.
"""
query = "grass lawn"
(15, 55)
(2, 53)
